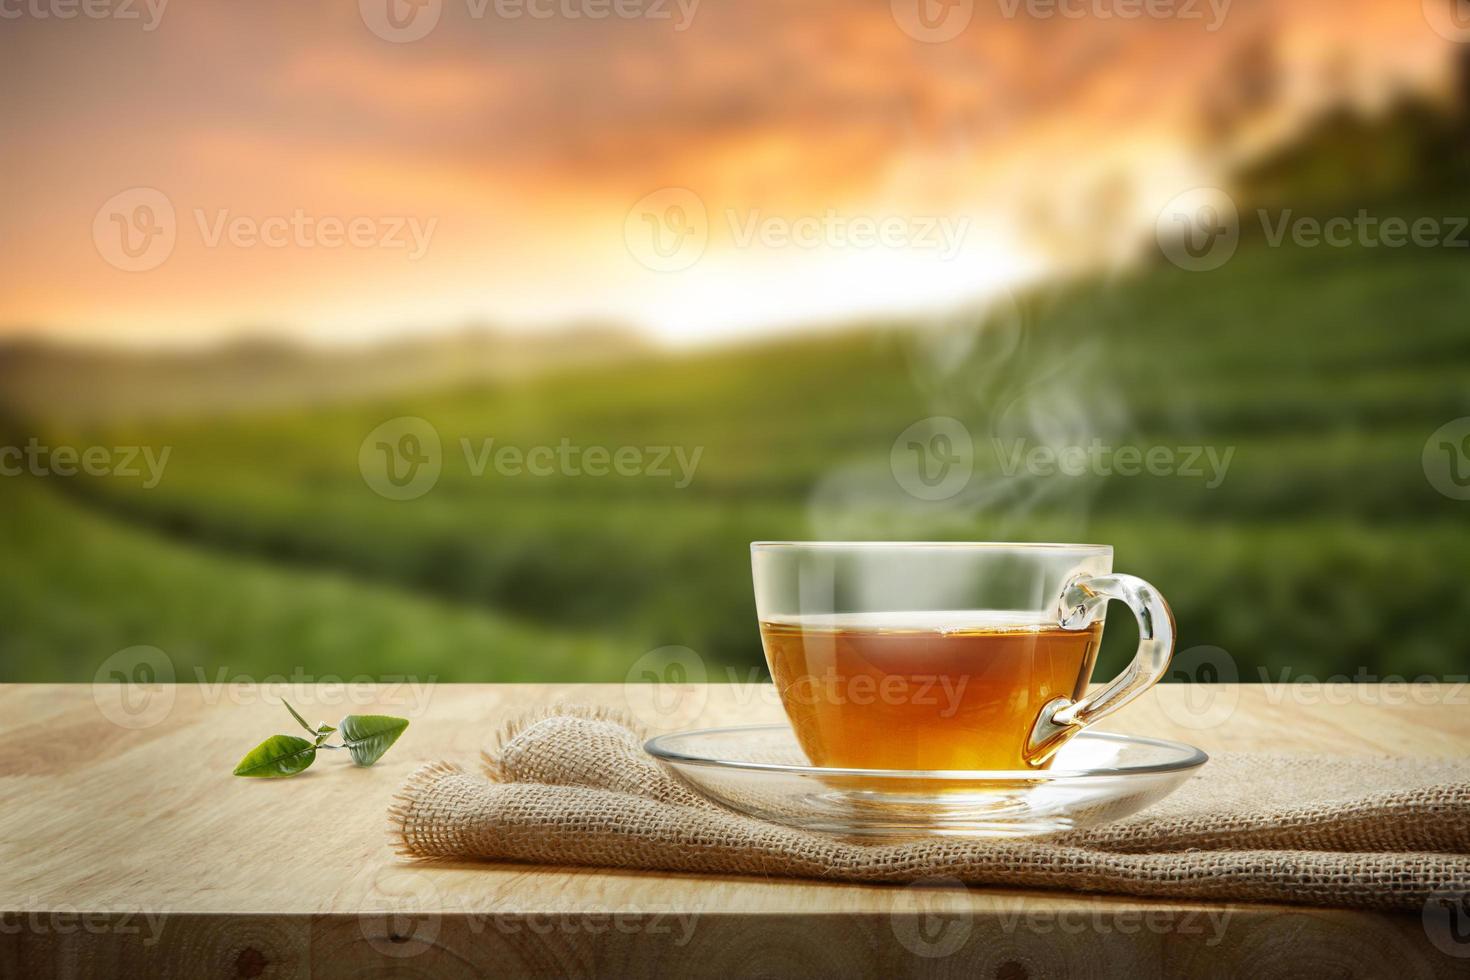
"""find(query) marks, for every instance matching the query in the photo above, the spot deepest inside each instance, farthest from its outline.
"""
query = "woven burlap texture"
(573, 786)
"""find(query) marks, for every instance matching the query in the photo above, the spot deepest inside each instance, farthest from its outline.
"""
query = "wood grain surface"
(127, 849)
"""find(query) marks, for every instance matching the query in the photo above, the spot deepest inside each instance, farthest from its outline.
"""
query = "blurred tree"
(1245, 93)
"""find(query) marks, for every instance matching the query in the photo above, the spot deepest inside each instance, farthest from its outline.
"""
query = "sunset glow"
(327, 183)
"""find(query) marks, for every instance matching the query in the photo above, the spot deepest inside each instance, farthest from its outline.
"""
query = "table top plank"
(108, 817)
(124, 808)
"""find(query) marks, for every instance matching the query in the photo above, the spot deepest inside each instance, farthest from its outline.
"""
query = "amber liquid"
(878, 694)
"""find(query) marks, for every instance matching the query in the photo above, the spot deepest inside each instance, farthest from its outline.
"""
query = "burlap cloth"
(573, 786)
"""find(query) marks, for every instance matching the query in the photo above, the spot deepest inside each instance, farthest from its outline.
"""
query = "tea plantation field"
(1315, 544)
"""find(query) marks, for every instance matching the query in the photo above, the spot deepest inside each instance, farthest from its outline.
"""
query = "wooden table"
(128, 849)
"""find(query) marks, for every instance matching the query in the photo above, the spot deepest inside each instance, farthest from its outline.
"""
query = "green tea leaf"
(298, 717)
(321, 735)
(369, 736)
(277, 756)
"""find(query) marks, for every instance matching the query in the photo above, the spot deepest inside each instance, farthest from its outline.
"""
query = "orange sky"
(830, 163)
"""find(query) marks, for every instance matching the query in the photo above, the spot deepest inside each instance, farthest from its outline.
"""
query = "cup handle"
(1082, 601)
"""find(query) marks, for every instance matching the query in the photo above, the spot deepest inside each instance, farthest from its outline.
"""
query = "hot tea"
(924, 690)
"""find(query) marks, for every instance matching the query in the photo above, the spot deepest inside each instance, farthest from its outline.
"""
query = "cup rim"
(1103, 549)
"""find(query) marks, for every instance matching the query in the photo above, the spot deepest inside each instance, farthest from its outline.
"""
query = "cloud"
(529, 139)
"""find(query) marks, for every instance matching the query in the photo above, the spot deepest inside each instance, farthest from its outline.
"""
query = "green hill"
(85, 587)
(1322, 549)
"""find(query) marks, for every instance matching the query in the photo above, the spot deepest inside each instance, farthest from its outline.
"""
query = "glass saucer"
(760, 770)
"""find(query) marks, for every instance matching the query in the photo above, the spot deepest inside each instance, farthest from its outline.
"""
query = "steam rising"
(1016, 386)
